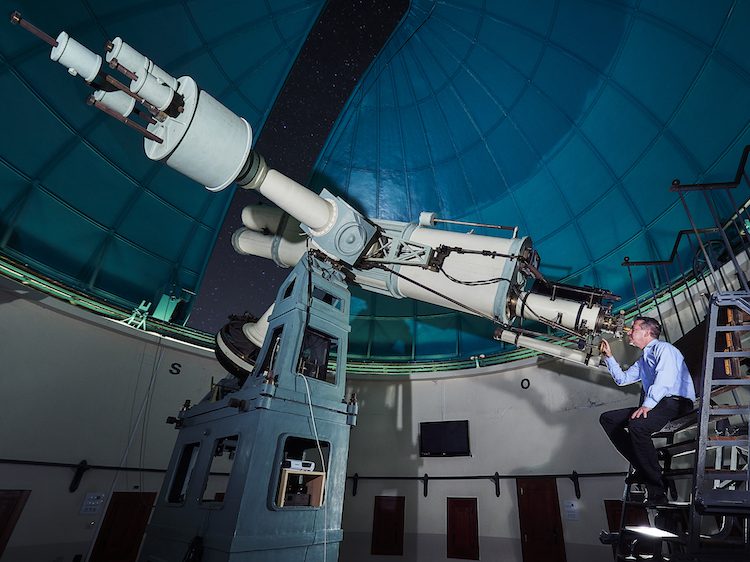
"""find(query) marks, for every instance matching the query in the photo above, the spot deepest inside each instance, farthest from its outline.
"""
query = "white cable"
(323, 463)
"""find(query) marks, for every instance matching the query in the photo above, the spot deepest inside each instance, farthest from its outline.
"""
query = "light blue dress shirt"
(661, 370)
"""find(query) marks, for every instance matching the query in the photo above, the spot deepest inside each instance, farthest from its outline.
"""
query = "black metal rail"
(425, 479)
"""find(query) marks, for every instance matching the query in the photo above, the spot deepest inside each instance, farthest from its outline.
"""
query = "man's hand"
(604, 347)
(642, 411)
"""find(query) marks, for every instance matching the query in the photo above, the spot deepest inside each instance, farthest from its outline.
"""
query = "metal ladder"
(721, 490)
(713, 522)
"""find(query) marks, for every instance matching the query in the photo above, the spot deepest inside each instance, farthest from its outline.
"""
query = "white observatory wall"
(551, 427)
(71, 389)
(73, 384)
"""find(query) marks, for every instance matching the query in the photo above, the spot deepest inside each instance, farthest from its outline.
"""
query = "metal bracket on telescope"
(349, 236)
(397, 251)
(429, 219)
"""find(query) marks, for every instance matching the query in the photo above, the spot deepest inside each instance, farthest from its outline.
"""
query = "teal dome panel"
(569, 119)
(79, 200)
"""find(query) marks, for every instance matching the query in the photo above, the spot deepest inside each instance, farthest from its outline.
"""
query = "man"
(668, 393)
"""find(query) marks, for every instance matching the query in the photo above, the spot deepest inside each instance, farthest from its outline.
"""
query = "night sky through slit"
(342, 44)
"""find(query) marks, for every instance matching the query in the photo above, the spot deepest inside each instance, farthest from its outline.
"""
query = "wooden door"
(123, 527)
(388, 526)
(539, 518)
(11, 506)
(463, 529)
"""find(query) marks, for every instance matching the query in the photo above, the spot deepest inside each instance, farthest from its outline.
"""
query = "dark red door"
(123, 527)
(539, 517)
(463, 529)
(11, 506)
(388, 526)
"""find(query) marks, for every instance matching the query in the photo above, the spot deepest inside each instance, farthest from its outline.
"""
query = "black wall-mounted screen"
(444, 439)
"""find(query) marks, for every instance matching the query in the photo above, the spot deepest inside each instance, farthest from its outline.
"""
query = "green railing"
(16, 271)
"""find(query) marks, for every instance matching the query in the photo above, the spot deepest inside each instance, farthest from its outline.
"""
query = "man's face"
(639, 334)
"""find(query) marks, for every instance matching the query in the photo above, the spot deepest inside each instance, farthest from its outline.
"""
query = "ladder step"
(725, 474)
(691, 418)
(718, 390)
(727, 441)
(675, 473)
(739, 381)
(723, 501)
(652, 533)
(741, 328)
(721, 354)
(678, 424)
(675, 506)
(730, 409)
(688, 447)
(674, 449)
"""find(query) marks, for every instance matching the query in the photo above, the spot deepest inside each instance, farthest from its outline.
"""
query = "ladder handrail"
(628, 262)
(677, 186)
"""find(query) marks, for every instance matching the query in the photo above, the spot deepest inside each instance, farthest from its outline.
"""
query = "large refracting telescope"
(233, 491)
(488, 276)
(494, 277)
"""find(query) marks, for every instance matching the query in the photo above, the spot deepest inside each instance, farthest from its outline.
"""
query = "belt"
(680, 399)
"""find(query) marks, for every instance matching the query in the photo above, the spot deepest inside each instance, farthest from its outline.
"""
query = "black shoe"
(657, 495)
(609, 537)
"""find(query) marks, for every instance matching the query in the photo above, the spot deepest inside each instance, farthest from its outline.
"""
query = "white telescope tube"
(252, 243)
(76, 58)
(137, 63)
(154, 92)
(571, 314)
(552, 349)
(282, 249)
(291, 250)
(163, 76)
(262, 218)
(488, 299)
(307, 207)
(207, 142)
(127, 56)
(256, 331)
(117, 101)
(465, 270)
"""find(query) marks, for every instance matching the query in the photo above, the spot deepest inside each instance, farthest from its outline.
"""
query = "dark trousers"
(632, 437)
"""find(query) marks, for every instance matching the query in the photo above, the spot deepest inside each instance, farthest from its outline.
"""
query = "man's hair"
(650, 324)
